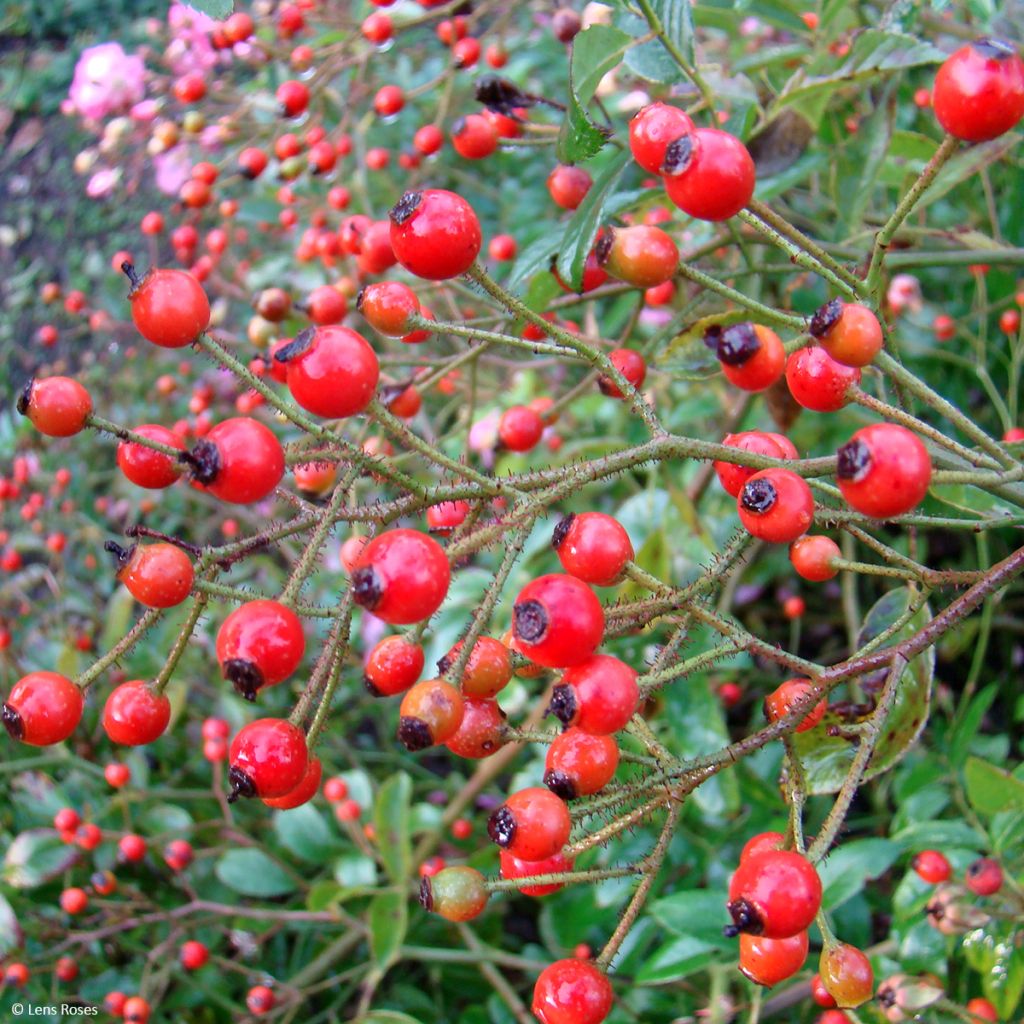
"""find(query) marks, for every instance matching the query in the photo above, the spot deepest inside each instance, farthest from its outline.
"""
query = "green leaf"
(863, 160)
(686, 356)
(582, 227)
(387, 1017)
(37, 856)
(536, 257)
(389, 920)
(968, 163)
(676, 19)
(846, 870)
(990, 789)
(253, 873)
(968, 723)
(939, 835)
(391, 820)
(827, 758)
(699, 912)
(355, 871)
(117, 617)
(874, 52)
(680, 958)
(10, 930)
(219, 9)
(304, 833)
(595, 52)
(324, 895)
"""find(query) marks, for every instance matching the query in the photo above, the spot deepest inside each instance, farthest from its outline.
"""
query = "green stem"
(180, 643)
(122, 647)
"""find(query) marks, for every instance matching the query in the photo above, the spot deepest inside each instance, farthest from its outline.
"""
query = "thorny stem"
(868, 739)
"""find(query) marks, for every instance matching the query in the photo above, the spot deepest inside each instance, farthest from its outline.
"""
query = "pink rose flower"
(173, 169)
(106, 81)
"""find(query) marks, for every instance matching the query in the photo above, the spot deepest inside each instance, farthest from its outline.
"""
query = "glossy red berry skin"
(193, 955)
(66, 969)
(820, 994)
(431, 712)
(884, 470)
(768, 961)
(66, 820)
(268, 759)
(332, 373)
(751, 355)
(982, 1009)
(514, 867)
(984, 877)
(932, 867)
(145, 467)
(813, 557)
(641, 255)
(259, 644)
(393, 666)
(388, 307)
(593, 547)
(73, 901)
(568, 186)
(252, 162)
(169, 307)
(598, 696)
(718, 180)
(776, 505)
(481, 731)
(136, 1010)
(763, 842)
(56, 406)
(293, 98)
(428, 139)
(303, 792)
(847, 975)
(401, 576)
(557, 621)
(651, 131)
(456, 893)
(531, 824)
(488, 668)
(817, 381)
(731, 476)
(240, 461)
(520, 428)
(260, 999)
(444, 517)
(631, 364)
(156, 575)
(849, 332)
(474, 137)
(325, 305)
(178, 854)
(135, 714)
(775, 894)
(435, 234)
(131, 848)
(43, 708)
(579, 763)
(502, 248)
(781, 700)
(979, 91)
(572, 992)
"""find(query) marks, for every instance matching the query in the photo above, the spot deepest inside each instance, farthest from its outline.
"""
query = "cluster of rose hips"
(402, 575)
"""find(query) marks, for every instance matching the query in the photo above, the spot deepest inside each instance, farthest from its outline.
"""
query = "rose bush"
(530, 528)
